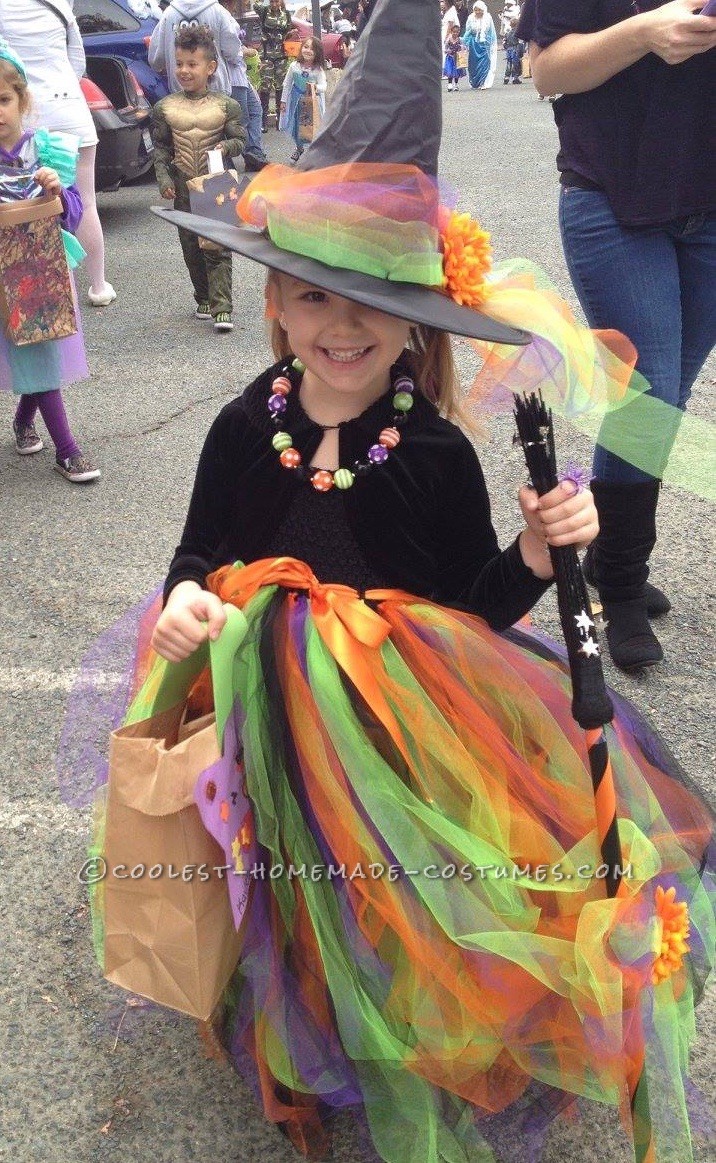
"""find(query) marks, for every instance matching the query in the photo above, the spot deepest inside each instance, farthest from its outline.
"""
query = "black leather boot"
(657, 603)
(627, 535)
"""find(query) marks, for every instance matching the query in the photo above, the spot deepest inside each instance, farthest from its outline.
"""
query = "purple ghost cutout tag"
(226, 813)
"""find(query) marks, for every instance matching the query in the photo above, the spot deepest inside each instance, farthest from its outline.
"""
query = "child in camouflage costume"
(185, 126)
(275, 26)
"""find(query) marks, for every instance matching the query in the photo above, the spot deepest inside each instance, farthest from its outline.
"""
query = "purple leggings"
(52, 410)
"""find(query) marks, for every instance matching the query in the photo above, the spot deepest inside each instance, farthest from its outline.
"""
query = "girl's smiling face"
(307, 54)
(11, 111)
(347, 348)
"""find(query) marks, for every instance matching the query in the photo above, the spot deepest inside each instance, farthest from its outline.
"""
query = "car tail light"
(94, 96)
(139, 91)
(142, 103)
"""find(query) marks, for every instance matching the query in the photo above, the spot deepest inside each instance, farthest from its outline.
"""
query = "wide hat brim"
(407, 301)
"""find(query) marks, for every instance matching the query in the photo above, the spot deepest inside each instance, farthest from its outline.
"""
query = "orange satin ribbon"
(351, 630)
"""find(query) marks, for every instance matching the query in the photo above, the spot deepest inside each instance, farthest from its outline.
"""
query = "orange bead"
(389, 438)
(290, 458)
(281, 386)
(322, 481)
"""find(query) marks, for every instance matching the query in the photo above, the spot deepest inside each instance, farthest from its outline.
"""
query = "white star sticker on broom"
(590, 648)
(584, 622)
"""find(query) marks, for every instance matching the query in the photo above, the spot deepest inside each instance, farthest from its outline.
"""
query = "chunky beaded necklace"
(343, 478)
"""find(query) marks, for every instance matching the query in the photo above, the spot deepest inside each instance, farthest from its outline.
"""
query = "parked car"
(121, 29)
(121, 114)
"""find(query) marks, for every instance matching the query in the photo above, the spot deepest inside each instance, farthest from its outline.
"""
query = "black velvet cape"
(422, 520)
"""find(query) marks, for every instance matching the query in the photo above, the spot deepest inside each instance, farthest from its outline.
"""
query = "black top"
(421, 522)
(647, 136)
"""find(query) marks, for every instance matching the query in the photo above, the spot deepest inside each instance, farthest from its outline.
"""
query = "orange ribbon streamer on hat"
(351, 630)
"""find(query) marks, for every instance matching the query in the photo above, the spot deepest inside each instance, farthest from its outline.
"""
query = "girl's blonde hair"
(15, 80)
(432, 364)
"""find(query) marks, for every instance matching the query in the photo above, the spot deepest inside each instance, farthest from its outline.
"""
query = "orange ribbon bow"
(351, 630)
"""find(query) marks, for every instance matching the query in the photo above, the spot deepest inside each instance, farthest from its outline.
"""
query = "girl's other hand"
(564, 516)
(49, 180)
(191, 616)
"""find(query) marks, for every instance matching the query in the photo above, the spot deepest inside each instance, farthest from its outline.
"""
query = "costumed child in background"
(514, 52)
(453, 45)
(307, 71)
(386, 719)
(185, 126)
(37, 372)
(275, 27)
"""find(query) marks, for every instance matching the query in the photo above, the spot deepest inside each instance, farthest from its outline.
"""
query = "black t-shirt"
(647, 136)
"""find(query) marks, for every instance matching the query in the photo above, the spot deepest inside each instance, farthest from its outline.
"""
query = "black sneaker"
(298, 152)
(27, 439)
(223, 322)
(78, 469)
(202, 311)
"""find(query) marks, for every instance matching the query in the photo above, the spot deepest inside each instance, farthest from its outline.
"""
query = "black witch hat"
(361, 214)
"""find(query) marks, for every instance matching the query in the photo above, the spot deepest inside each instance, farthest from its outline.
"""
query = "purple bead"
(377, 453)
(403, 384)
(277, 403)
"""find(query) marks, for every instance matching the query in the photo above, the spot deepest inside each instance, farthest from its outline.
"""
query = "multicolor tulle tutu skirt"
(429, 937)
(429, 941)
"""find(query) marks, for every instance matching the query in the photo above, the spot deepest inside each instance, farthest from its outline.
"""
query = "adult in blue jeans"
(243, 91)
(637, 162)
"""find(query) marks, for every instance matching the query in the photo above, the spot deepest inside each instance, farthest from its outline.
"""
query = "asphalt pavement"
(85, 1073)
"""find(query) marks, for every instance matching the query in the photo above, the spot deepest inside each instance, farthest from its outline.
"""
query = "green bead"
(298, 365)
(402, 401)
(343, 478)
(281, 441)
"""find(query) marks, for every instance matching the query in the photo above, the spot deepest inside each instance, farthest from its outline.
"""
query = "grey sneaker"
(27, 440)
(223, 322)
(78, 469)
(202, 311)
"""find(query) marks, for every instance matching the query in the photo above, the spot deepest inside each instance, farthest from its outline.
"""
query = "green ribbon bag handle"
(168, 683)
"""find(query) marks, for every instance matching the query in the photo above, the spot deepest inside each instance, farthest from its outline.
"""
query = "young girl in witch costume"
(455, 956)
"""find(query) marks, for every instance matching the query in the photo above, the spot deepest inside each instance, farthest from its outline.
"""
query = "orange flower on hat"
(467, 260)
(673, 917)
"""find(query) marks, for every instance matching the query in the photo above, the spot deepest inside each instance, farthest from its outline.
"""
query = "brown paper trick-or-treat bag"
(169, 937)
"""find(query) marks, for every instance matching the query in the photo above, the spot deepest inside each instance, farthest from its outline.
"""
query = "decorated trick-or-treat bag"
(309, 114)
(462, 58)
(175, 836)
(215, 196)
(35, 287)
